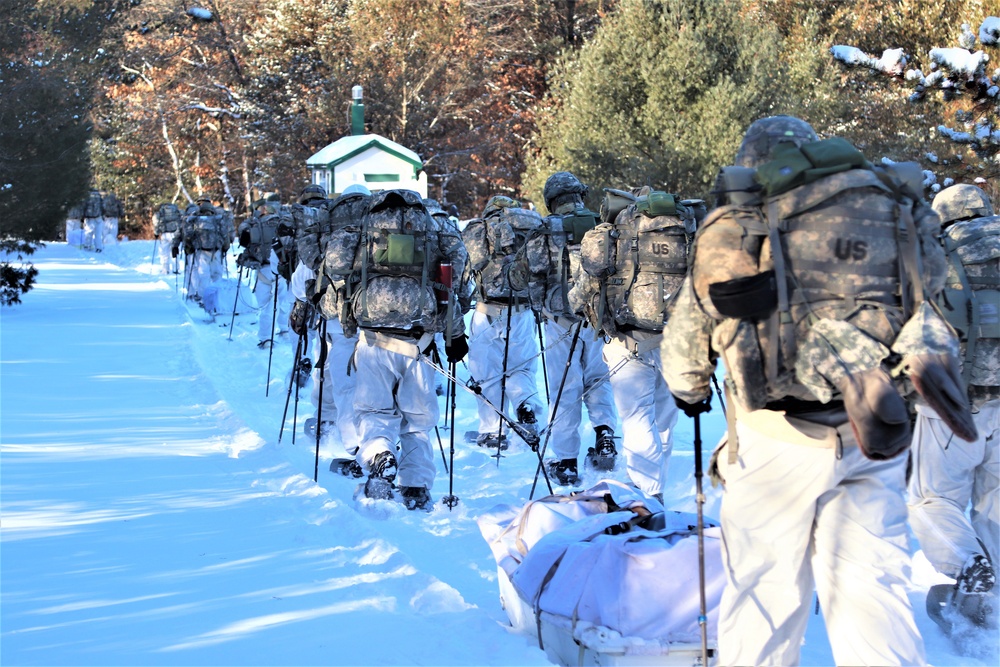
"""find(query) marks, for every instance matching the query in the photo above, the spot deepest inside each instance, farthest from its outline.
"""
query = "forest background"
(167, 100)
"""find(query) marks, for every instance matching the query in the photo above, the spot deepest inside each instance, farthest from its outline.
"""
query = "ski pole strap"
(407, 348)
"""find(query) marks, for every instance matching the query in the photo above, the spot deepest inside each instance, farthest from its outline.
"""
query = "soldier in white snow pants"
(486, 355)
(804, 507)
(395, 401)
(588, 375)
(645, 407)
(948, 475)
(270, 323)
(338, 384)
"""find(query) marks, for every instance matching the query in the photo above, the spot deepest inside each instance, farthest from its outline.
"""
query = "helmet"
(559, 184)
(961, 202)
(766, 133)
(498, 202)
(310, 192)
(356, 189)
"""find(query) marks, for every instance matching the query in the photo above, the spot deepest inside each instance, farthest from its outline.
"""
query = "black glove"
(458, 348)
(694, 409)
(174, 252)
(298, 319)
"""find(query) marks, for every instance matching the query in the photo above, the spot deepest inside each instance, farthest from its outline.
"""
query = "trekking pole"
(319, 403)
(541, 348)
(288, 394)
(437, 360)
(700, 499)
(152, 258)
(718, 391)
(503, 378)
(555, 409)
(451, 499)
(239, 281)
(274, 314)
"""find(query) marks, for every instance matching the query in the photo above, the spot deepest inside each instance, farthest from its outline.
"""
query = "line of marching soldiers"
(841, 310)
(93, 223)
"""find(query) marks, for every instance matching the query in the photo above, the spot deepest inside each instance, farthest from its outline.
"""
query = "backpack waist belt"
(562, 320)
(494, 309)
(411, 347)
(636, 347)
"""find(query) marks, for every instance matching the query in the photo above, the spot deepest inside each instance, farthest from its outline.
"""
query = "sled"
(565, 564)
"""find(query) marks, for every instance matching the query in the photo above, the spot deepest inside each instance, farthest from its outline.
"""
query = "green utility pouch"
(656, 203)
(750, 298)
(398, 252)
(578, 223)
(792, 166)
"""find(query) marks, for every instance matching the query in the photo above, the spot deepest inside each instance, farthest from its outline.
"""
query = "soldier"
(111, 211)
(93, 222)
(639, 256)
(948, 475)
(313, 292)
(206, 235)
(586, 375)
(74, 225)
(811, 333)
(256, 235)
(166, 227)
(504, 348)
(402, 249)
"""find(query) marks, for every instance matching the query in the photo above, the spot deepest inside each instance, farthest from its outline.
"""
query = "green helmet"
(961, 202)
(558, 186)
(310, 192)
(766, 133)
(498, 202)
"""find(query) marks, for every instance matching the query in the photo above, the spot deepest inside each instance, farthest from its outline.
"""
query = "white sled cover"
(641, 583)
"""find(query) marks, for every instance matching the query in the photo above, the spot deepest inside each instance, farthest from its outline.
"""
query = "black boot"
(603, 454)
(565, 471)
(416, 497)
(382, 472)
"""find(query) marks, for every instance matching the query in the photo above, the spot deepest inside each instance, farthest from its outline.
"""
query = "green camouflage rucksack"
(812, 258)
(208, 232)
(92, 205)
(640, 261)
(168, 219)
(565, 236)
(256, 235)
(394, 276)
(111, 206)
(339, 245)
(971, 298)
(504, 232)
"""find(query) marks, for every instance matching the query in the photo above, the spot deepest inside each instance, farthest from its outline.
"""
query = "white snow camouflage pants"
(109, 231)
(93, 233)
(487, 339)
(587, 374)
(168, 264)
(394, 401)
(647, 412)
(338, 385)
(949, 474)
(269, 322)
(205, 268)
(796, 518)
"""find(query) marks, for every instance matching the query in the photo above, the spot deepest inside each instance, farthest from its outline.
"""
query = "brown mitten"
(877, 413)
(937, 378)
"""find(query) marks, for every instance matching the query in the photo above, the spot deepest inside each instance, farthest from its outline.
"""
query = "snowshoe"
(603, 454)
(564, 471)
(416, 498)
(526, 419)
(264, 344)
(383, 472)
(487, 440)
(347, 468)
(309, 428)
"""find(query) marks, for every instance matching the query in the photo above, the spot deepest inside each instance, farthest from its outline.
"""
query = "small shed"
(369, 159)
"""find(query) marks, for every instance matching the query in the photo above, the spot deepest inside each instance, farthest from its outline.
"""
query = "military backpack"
(971, 298)
(492, 243)
(640, 260)
(168, 219)
(256, 236)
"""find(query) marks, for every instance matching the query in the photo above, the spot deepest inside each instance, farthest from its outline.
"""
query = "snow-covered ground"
(151, 517)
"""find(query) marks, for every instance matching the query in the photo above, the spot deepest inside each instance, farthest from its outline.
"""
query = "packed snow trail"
(144, 523)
